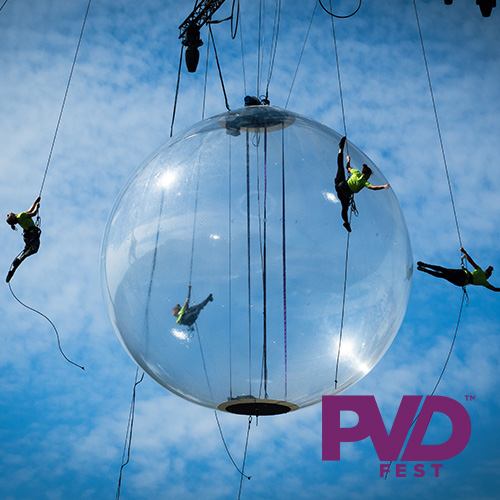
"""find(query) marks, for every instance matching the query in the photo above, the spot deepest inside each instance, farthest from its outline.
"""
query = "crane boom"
(200, 15)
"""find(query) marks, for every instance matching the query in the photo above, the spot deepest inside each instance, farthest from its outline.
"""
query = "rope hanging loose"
(128, 437)
(53, 326)
(65, 97)
(336, 15)
(227, 449)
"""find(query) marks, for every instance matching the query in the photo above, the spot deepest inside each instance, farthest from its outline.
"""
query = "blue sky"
(62, 430)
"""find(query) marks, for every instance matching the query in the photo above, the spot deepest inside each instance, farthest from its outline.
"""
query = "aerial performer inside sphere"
(31, 234)
(188, 315)
(461, 277)
(356, 182)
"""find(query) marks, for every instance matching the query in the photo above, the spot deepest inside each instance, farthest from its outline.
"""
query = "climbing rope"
(64, 99)
(53, 326)
(352, 205)
(128, 437)
(437, 123)
(343, 303)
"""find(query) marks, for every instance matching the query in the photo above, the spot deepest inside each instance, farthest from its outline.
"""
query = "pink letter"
(419, 470)
(384, 469)
(400, 470)
(436, 469)
(416, 451)
(366, 409)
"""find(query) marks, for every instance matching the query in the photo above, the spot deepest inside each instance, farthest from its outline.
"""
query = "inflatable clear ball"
(241, 210)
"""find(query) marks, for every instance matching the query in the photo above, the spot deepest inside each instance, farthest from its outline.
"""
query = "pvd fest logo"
(389, 446)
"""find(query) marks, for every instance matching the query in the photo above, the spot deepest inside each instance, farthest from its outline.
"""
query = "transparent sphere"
(242, 206)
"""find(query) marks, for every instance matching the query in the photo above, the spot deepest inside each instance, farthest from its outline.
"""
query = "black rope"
(283, 245)
(205, 83)
(3, 5)
(343, 302)
(264, 271)
(243, 62)
(230, 271)
(65, 97)
(339, 80)
(176, 91)
(352, 204)
(227, 449)
(245, 456)
(301, 54)
(437, 123)
(249, 281)
(203, 360)
(53, 326)
(336, 15)
(218, 67)
(128, 437)
(234, 25)
(274, 44)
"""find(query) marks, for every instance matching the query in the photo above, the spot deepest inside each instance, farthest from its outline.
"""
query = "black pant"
(458, 277)
(344, 192)
(191, 314)
(31, 238)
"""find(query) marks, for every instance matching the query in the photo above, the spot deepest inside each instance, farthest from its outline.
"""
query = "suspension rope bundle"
(53, 326)
(128, 437)
(274, 45)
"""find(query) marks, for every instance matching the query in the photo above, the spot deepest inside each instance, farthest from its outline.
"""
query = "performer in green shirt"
(188, 315)
(357, 181)
(31, 234)
(461, 277)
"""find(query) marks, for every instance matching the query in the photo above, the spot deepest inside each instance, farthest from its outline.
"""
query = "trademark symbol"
(470, 398)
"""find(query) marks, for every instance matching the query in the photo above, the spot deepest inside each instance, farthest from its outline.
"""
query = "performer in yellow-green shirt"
(461, 277)
(31, 234)
(357, 181)
(188, 315)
